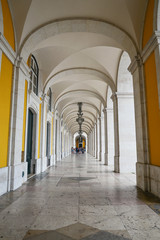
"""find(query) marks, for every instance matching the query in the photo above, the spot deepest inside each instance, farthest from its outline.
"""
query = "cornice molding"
(35, 97)
(124, 95)
(136, 62)
(151, 45)
(7, 49)
(153, 42)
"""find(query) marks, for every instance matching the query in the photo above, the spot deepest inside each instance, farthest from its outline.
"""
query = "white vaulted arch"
(77, 25)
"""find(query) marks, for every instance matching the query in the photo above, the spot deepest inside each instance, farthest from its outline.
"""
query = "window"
(49, 94)
(34, 75)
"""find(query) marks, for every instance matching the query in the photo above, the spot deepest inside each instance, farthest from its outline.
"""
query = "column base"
(99, 154)
(147, 175)
(116, 164)
(18, 175)
(106, 159)
(44, 164)
(3, 180)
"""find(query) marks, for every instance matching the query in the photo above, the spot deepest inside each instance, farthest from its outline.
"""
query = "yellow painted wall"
(8, 30)
(24, 116)
(153, 112)
(152, 109)
(84, 143)
(148, 25)
(77, 143)
(39, 130)
(52, 137)
(5, 106)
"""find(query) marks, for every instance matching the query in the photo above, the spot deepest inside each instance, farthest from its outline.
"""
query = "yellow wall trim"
(148, 25)
(52, 137)
(39, 130)
(153, 111)
(24, 117)
(5, 106)
(8, 30)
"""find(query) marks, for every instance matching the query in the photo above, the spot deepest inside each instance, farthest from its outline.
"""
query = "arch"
(82, 92)
(53, 28)
(33, 108)
(85, 117)
(83, 132)
(91, 71)
(85, 103)
(86, 124)
(84, 111)
(84, 128)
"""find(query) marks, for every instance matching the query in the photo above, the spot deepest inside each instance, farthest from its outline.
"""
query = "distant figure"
(72, 150)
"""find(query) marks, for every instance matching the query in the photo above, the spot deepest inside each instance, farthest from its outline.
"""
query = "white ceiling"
(61, 55)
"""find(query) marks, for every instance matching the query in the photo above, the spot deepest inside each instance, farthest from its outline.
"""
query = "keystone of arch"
(50, 29)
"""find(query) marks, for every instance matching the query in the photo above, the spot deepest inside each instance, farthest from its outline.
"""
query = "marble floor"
(79, 198)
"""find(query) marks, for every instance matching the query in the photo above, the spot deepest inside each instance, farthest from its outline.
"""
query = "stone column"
(58, 138)
(116, 133)
(96, 139)
(43, 135)
(15, 164)
(53, 145)
(100, 139)
(105, 137)
(93, 149)
(142, 166)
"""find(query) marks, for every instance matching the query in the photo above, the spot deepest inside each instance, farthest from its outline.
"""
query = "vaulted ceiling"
(78, 45)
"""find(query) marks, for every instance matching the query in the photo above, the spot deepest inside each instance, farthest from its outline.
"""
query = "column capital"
(114, 97)
(136, 62)
(104, 110)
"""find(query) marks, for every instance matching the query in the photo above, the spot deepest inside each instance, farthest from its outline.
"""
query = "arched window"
(34, 75)
(49, 94)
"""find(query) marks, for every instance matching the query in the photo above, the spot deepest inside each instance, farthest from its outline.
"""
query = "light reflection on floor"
(80, 198)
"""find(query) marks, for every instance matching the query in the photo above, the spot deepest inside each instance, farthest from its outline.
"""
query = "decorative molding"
(49, 116)
(151, 45)
(7, 49)
(153, 42)
(135, 63)
(35, 97)
(114, 96)
(109, 109)
(124, 95)
(24, 67)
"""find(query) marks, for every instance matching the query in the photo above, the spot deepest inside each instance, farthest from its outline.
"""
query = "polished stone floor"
(79, 198)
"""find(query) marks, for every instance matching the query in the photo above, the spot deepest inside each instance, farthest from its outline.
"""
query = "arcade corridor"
(79, 198)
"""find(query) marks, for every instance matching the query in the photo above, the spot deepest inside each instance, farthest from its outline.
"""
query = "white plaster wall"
(127, 135)
(18, 118)
(3, 180)
(110, 124)
(102, 137)
(38, 165)
(127, 138)
(110, 137)
(17, 178)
